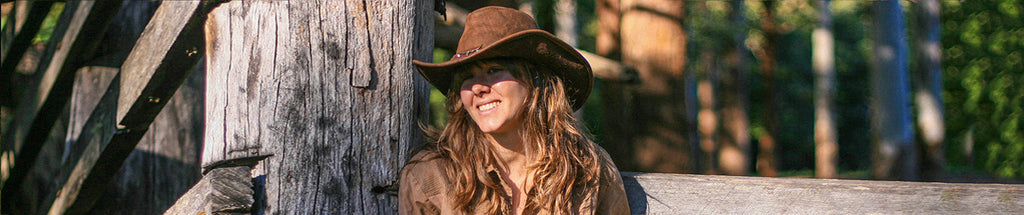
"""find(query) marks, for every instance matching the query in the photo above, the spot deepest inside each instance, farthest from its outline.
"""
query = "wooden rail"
(658, 193)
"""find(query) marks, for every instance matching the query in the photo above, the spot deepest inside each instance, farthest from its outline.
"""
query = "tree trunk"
(767, 164)
(565, 21)
(928, 91)
(707, 117)
(617, 123)
(327, 88)
(735, 133)
(825, 145)
(893, 155)
(654, 41)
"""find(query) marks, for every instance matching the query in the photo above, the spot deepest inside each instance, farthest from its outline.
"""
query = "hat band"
(466, 53)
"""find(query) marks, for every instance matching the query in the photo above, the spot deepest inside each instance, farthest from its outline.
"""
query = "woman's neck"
(509, 149)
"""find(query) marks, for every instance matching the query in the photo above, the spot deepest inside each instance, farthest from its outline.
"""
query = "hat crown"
(487, 25)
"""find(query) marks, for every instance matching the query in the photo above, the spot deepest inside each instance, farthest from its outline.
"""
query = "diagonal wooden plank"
(74, 41)
(156, 67)
(158, 64)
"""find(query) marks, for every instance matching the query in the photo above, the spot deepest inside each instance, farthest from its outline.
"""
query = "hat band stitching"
(466, 53)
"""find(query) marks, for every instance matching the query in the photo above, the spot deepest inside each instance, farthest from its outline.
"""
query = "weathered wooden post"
(327, 87)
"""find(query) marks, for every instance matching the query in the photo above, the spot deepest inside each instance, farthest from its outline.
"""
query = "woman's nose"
(480, 88)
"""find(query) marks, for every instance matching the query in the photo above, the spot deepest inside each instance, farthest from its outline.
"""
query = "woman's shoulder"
(426, 171)
(423, 161)
(609, 172)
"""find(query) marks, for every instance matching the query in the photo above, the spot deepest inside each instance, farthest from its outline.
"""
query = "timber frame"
(173, 43)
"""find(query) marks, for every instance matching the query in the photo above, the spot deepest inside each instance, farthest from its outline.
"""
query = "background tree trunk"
(767, 163)
(893, 155)
(735, 124)
(617, 123)
(565, 21)
(654, 41)
(826, 148)
(328, 88)
(928, 91)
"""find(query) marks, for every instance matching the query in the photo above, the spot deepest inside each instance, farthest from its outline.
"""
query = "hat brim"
(533, 45)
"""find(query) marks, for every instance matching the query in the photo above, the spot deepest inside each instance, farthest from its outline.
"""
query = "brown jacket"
(423, 189)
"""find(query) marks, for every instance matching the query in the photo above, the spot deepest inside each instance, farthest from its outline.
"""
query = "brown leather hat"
(499, 32)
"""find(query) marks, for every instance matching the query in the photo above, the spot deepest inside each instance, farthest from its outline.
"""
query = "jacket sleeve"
(611, 193)
(411, 198)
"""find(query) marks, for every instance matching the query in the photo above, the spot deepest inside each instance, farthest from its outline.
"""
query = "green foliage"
(438, 114)
(983, 43)
(46, 30)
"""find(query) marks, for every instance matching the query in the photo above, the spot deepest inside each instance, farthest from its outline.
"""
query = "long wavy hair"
(560, 156)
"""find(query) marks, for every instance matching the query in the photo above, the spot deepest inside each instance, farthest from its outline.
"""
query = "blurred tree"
(826, 147)
(766, 159)
(565, 21)
(705, 70)
(893, 149)
(927, 83)
(653, 40)
(734, 90)
(617, 123)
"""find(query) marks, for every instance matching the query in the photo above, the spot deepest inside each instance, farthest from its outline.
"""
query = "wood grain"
(658, 193)
(228, 189)
(328, 88)
(168, 55)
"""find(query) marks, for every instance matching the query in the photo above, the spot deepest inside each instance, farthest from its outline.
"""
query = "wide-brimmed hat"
(500, 32)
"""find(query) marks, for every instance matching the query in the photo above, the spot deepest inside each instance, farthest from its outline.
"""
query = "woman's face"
(493, 97)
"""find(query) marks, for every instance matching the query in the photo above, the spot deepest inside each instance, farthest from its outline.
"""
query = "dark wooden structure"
(65, 147)
(305, 107)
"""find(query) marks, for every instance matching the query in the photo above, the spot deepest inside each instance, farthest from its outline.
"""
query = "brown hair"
(561, 158)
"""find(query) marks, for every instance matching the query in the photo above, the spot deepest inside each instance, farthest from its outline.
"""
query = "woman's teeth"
(489, 106)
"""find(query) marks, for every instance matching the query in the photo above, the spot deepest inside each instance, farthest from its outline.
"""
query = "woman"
(511, 145)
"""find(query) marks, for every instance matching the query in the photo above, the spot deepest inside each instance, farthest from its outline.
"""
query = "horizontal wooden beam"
(659, 193)
(222, 190)
(226, 187)
(611, 70)
(158, 64)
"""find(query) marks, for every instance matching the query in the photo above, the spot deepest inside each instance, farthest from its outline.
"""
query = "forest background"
(982, 43)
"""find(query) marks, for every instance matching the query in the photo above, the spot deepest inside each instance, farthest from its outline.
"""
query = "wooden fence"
(78, 122)
(63, 147)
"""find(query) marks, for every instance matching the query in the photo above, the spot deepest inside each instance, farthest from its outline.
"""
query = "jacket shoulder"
(426, 170)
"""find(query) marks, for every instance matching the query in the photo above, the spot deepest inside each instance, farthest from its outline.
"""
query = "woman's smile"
(488, 106)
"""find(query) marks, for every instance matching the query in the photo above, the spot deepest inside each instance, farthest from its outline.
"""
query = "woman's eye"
(494, 70)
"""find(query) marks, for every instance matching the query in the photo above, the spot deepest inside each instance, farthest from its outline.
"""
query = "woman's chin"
(492, 129)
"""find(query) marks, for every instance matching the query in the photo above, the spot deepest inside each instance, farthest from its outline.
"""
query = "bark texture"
(328, 88)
